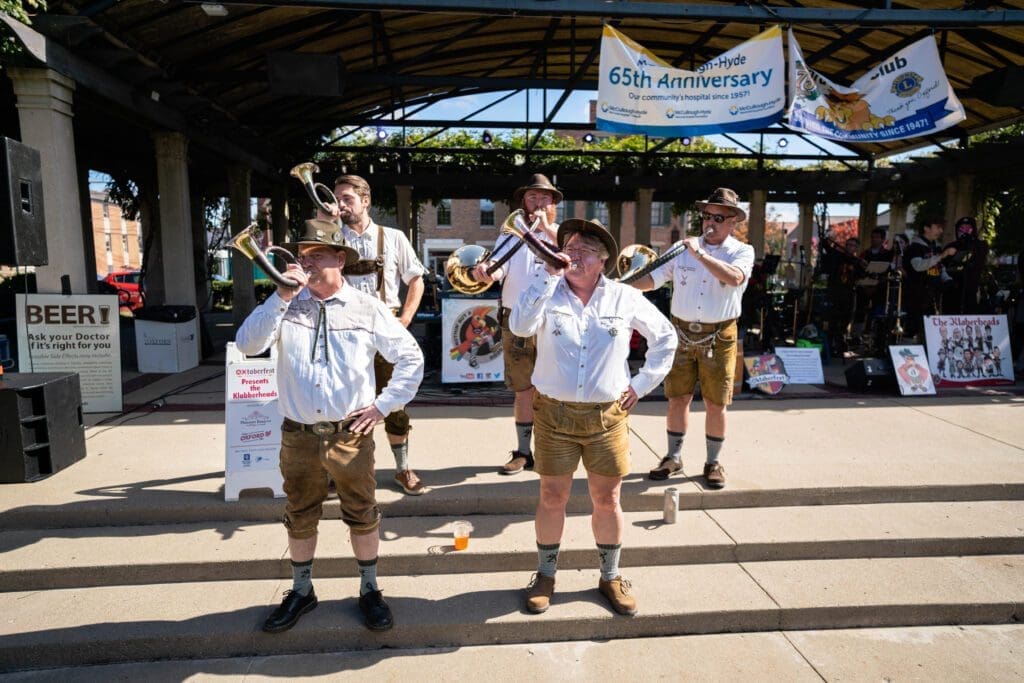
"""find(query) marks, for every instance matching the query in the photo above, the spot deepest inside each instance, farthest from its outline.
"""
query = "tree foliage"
(22, 10)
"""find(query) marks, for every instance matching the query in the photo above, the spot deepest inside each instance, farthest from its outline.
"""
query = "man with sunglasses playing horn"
(386, 259)
(539, 200)
(327, 333)
(583, 323)
(708, 281)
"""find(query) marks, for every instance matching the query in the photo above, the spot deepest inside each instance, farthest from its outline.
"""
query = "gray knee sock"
(524, 430)
(302, 577)
(401, 452)
(547, 559)
(367, 576)
(714, 444)
(675, 446)
(609, 555)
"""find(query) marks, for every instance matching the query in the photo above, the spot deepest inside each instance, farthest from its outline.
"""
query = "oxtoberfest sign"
(638, 92)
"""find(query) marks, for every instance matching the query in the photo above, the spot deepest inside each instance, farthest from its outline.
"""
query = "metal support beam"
(745, 13)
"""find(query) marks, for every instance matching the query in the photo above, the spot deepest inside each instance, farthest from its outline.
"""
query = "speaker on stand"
(22, 224)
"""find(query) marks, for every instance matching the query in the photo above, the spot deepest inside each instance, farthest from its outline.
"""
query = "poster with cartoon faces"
(968, 350)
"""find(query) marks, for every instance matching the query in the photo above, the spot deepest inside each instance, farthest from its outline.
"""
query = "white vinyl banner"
(471, 341)
(905, 96)
(742, 89)
(74, 333)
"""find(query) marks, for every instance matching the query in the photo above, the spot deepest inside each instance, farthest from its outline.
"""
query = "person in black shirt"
(966, 269)
(923, 261)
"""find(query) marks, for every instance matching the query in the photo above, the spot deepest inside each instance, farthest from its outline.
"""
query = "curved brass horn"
(461, 263)
(247, 242)
(636, 260)
(304, 173)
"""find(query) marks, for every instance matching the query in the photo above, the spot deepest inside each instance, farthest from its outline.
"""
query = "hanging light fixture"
(783, 142)
(486, 137)
(382, 134)
(588, 138)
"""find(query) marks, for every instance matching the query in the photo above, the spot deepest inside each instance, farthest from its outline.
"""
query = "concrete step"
(167, 467)
(933, 653)
(471, 491)
(101, 556)
(71, 627)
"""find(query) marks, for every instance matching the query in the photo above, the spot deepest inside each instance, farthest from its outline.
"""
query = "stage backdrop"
(968, 350)
(638, 92)
(905, 96)
(471, 341)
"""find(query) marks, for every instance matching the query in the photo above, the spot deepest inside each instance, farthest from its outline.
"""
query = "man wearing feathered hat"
(326, 333)
(539, 201)
(584, 392)
(708, 280)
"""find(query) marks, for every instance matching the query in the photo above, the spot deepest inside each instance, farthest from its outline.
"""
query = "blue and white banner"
(905, 96)
(742, 89)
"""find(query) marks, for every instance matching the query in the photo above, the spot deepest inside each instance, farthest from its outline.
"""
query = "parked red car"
(125, 283)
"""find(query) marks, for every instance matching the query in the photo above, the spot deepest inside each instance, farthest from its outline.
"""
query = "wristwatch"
(701, 253)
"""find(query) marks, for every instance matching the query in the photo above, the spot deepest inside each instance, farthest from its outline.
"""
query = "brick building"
(117, 241)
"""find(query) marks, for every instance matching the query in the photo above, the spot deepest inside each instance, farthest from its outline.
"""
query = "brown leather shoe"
(517, 464)
(617, 593)
(714, 475)
(539, 592)
(666, 467)
(409, 483)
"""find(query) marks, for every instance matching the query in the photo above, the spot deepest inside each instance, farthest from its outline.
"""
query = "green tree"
(22, 10)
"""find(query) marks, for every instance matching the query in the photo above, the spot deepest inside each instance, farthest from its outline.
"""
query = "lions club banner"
(742, 89)
(471, 341)
(905, 96)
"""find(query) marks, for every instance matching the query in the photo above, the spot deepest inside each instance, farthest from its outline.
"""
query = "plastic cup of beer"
(460, 530)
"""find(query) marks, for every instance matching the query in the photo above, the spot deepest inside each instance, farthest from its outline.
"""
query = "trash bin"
(166, 338)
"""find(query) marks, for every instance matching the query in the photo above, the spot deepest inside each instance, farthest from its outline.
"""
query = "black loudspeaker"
(871, 374)
(22, 225)
(293, 73)
(1001, 87)
(41, 430)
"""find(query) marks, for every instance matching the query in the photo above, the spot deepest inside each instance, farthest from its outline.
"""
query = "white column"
(44, 101)
(175, 218)
(897, 218)
(868, 219)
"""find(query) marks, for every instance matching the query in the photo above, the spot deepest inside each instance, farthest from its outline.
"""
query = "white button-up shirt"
(326, 376)
(583, 351)
(523, 269)
(400, 261)
(697, 295)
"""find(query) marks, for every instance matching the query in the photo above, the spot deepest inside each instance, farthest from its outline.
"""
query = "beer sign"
(78, 333)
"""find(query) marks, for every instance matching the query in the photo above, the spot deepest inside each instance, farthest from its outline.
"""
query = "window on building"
(106, 209)
(124, 249)
(661, 213)
(560, 213)
(597, 210)
(444, 212)
(486, 213)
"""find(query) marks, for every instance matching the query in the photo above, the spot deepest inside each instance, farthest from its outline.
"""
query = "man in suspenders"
(386, 259)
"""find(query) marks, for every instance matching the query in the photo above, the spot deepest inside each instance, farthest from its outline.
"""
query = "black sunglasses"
(716, 217)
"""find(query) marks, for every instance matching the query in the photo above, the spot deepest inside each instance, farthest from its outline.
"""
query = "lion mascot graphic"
(849, 111)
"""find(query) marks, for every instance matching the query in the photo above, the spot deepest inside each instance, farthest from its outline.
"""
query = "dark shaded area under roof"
(270, 79)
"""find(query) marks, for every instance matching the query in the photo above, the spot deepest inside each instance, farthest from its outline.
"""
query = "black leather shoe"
(376, 613)
(287, 615)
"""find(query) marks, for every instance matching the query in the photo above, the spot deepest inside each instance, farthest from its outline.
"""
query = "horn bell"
(459, 268)
(632, 258)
